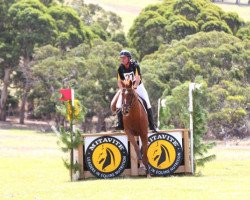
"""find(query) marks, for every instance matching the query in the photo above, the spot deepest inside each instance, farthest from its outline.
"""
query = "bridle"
(127, 107)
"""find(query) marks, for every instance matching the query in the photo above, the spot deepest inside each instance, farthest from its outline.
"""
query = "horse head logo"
(162, 154)
(106, 158)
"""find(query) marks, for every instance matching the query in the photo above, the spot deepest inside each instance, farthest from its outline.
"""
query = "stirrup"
(155, 130)
(117, 129)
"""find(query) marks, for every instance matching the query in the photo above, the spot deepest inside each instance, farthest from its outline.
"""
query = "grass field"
(31, 168)
(243, 11)
(130, 9)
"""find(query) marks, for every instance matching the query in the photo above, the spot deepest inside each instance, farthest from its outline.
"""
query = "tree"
(103, 23)
(233, 21)
(175, 113)
(9, 53)
(244, 32)
(90, 70)
(52, 70)
(34, 26)
(180, 28)
(174, 19)
(221, 61)
(148, 32)
(99, 85)
(228, 110)
(47, 2)
(38, 25)
(71, 30)
(120, 38)
(48, 76)
(215, 25)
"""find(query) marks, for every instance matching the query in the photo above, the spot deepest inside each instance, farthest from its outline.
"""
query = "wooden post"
(186, 152)
(81, 160)
(192, 87)
(133, 161)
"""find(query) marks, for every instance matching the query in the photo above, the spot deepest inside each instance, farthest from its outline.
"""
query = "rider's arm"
(137, 80)
(119, 81)
(137, 76)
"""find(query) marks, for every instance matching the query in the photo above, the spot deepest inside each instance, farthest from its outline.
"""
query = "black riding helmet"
(125, 53)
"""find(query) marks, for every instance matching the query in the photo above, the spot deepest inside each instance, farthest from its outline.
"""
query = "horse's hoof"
(142, 166)
(149, 176)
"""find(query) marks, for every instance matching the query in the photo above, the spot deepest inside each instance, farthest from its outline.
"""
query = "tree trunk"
(23, 104)
(26, 75)
(4, 93)
(101, 123)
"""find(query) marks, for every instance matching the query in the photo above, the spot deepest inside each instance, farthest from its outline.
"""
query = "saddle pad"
(143, 103)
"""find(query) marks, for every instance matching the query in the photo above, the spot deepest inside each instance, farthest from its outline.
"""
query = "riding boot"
(120, 121)
(152, 126)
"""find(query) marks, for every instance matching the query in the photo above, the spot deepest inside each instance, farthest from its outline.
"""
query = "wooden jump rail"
(134, 169)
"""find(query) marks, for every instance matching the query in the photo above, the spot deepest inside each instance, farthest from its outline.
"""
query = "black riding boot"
(120, 121)
(151, 120)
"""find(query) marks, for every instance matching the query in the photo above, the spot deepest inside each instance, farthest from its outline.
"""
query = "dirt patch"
(38, 125)
(234, 143)
(45, 126)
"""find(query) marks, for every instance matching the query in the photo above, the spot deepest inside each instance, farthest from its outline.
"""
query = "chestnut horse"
(135, 121)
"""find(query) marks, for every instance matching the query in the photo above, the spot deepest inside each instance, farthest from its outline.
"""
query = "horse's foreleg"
(145, 150)
(131, 138)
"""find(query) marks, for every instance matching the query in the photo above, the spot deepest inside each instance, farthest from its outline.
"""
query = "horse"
(135, 121)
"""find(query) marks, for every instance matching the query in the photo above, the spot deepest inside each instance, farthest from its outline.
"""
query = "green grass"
(31, 168)
(243, 11)
(128, 10)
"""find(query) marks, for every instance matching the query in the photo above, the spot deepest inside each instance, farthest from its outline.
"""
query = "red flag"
(66, 94)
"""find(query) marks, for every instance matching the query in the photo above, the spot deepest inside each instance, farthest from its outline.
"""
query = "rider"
(130, 69)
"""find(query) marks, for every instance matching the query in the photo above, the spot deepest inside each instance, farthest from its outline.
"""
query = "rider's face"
(124, 60)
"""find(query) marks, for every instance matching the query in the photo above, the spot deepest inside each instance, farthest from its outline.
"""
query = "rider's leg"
(144, 94)
(151, 120)
(114, 101)
(119, 113)
(120, 120)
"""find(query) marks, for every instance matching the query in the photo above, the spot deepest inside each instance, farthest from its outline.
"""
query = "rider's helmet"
(125, 53)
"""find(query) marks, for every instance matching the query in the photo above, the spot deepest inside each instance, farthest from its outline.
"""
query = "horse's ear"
(123, 84)
(133, 83)
(130, 83)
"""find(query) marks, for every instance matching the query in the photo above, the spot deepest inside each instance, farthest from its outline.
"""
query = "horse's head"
(128, 96)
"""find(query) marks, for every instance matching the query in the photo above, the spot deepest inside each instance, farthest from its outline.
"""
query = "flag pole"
(69, 96)
(192, 87)
(191, 125)
(75, 175)
(158, 113)
(71, 134)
